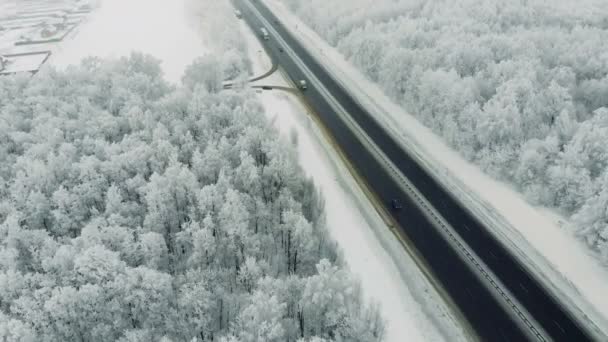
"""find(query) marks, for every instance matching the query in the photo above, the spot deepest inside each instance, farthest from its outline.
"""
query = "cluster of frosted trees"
(218, 27)
(131, 210)
(518, 87)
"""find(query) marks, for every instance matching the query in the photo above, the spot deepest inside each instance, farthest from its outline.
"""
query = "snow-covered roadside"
(412, 307)
(118, 27)
(536, 237)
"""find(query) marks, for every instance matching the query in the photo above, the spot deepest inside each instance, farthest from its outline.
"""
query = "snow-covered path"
(157, 27)
(411, 306)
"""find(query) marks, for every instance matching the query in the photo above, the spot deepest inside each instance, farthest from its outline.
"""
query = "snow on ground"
(412, 307)
(27, 63)
(8, 8)
(118, 27)
(538, 238)
(8, 38)
(37, 34)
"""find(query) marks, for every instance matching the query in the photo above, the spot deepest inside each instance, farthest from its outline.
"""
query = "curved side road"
(230, 83)
(275, 66)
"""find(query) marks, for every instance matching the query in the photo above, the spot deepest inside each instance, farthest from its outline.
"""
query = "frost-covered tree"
(133, 211)
(204, 72)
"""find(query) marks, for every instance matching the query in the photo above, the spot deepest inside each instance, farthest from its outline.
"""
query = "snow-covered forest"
(135, 210)
(518, 87)
(216, 23)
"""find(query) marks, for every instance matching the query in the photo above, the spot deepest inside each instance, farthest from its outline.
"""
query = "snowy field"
(22, 26)
(157, 27)
(573, 273)
(37, 35)
(26, 63)
(7, 8)
(8, 38)
(412, 307)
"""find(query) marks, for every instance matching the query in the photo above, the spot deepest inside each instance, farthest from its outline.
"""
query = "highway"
(499, 297)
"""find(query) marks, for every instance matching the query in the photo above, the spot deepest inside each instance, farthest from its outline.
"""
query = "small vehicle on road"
(396, 204)
(302, 85)
(280, 49)
(265, 34)
(238, 14)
